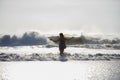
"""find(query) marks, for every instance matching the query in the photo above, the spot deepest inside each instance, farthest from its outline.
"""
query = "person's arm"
(55, 40)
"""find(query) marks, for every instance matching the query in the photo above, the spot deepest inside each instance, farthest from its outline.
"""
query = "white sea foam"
(40, 53)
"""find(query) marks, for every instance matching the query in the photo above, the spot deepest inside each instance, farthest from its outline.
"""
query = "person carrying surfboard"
(62, 44)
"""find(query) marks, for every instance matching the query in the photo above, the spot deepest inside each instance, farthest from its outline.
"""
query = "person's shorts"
(63, 46)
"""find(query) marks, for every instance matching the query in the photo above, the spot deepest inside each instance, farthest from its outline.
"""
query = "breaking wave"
(83, 41)
(28, 38)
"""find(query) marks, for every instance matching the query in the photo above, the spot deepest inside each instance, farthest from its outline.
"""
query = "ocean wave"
(57, 57)
(28, 38)
(35, 38)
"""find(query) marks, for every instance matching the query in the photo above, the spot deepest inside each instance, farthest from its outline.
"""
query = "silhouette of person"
(62, 44)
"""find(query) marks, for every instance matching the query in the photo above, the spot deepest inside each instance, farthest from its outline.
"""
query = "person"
(62, 44)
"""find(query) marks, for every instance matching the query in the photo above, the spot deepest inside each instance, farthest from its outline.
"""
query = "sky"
(89, 16)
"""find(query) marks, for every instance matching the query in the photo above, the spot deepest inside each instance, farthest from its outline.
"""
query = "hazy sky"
(57, 15)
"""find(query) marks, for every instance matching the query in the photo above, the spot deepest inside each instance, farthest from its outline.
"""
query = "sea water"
(95, 59)
(57, 70)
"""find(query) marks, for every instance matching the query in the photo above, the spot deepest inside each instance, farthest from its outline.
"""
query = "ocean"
(33, 56)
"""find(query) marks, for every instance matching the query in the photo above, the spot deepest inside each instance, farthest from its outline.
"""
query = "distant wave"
(100, 40)
(56, 57)
(28, 38)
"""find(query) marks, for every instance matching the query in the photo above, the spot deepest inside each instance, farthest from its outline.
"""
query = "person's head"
(61, 35)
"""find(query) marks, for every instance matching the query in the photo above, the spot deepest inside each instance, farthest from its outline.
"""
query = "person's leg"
(61, 51)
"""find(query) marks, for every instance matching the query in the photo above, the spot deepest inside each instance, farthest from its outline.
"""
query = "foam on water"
(57, 57)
